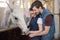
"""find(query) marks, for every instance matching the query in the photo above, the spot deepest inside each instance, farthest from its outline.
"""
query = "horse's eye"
(16, 18)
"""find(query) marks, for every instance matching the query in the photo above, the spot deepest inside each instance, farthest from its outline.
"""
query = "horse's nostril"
(23, 33)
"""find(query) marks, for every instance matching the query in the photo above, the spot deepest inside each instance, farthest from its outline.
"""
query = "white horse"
(16, 16)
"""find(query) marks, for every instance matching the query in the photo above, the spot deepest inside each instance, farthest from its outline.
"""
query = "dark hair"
(37, 4)
(30, 9)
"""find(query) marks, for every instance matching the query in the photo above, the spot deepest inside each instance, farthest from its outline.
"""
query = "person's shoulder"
(47, 10)
(39, 21)
(49, 16)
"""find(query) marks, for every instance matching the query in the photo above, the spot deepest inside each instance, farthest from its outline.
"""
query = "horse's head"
(18, 17)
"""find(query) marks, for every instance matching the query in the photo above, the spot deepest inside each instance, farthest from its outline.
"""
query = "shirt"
(39, 21)
(48, 20)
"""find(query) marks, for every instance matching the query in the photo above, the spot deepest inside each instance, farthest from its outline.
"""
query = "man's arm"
(48, 21)
(46, 31)
(47, 26)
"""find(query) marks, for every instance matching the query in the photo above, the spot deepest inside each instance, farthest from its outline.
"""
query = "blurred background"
(52, 5)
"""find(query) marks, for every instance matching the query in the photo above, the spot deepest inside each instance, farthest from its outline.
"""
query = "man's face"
(36, 10)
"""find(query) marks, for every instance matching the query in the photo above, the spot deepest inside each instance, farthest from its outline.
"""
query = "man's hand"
(31, 35)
